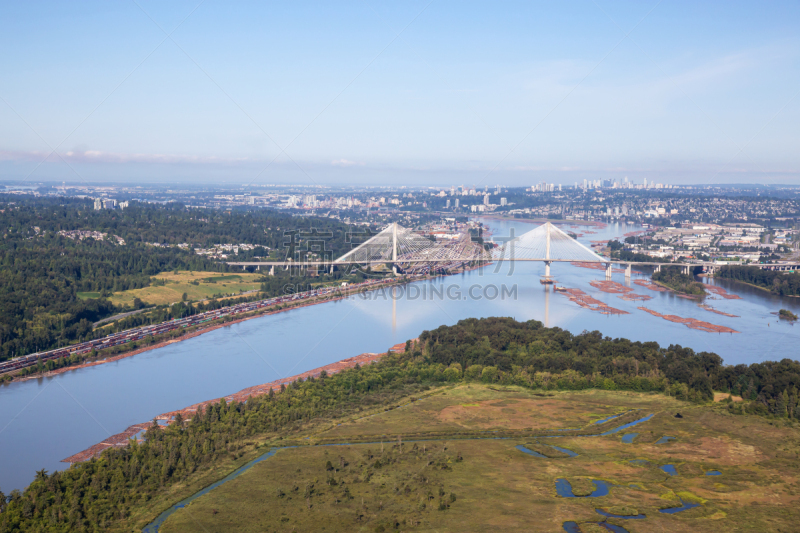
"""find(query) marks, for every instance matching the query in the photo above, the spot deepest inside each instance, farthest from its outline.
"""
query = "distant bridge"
(409, 252)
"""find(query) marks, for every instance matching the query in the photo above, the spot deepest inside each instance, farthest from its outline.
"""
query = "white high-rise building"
(503, 202)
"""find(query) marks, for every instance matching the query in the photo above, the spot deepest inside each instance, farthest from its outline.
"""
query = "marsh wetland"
(452, 460)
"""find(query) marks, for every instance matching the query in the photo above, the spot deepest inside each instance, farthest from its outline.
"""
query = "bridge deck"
(455, 260)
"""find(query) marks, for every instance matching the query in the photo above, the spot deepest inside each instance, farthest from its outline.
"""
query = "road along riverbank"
(216, 319)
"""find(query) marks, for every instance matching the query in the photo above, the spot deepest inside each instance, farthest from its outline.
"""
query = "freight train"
(142, 332)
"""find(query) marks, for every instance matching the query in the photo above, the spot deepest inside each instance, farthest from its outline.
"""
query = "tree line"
(100, 494)
(528, 354)
(673, 278)
(782, 283)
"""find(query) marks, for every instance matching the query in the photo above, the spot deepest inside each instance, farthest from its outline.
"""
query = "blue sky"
(387, 93)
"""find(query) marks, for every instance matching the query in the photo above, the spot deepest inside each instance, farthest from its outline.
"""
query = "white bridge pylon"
(390, 244)
(546, 243)
(414, 253)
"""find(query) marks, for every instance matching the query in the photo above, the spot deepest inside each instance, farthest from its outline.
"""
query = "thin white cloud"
(95, 156)
(347, 163)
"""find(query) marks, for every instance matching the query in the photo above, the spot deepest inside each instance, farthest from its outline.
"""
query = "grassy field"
(88, 295)
(208, 284)
(480, 483)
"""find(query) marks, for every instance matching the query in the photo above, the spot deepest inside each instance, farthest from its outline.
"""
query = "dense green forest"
(100, 494)
(783, 283)
(530, 355)
(674, 279)
(41, 271)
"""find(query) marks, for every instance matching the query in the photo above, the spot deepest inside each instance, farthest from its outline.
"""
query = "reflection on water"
(88, 405)
(546, 306)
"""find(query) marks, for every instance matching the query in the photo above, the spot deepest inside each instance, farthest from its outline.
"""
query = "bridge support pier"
(628, 271)
(547, 280)
(686, 270)
(609, 270)
(658, 268)
(272, 270)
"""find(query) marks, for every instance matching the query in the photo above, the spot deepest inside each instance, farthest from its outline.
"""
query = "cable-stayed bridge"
(411, 253)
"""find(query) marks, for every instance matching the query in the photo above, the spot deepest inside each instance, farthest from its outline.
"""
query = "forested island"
(126, 487)
(677, 281)
(782, 283)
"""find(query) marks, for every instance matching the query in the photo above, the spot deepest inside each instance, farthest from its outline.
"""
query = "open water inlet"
(606, 419)
(564, 489)
(563, 450)
(523, 449)
(685, 506)
(670, 469)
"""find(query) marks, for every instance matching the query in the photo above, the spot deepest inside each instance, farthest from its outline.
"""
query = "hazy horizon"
(421, 93)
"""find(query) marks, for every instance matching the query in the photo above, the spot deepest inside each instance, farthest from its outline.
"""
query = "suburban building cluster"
(735, 243)
(83, 235)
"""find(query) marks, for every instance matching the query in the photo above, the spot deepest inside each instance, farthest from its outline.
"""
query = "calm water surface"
(42, 421)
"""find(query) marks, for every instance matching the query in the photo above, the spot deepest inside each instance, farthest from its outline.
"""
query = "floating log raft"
(692, 323)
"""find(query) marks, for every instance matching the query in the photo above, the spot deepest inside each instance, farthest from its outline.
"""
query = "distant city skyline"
(421, 93)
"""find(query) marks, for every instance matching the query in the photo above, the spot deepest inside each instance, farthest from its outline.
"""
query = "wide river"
(43, 421)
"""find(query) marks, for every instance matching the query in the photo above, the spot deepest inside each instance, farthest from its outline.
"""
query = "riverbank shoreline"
(123, 438)
(195, 333)
(165, 343)
(757, 287)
